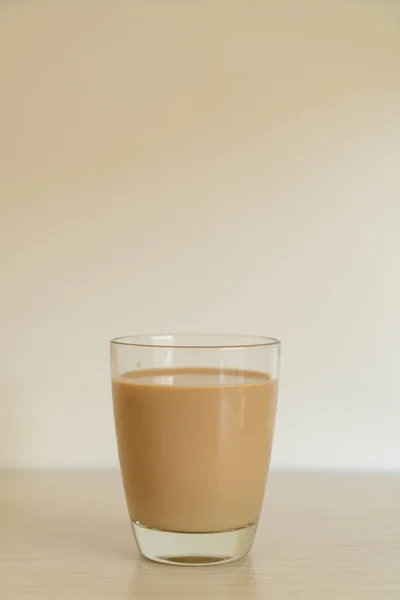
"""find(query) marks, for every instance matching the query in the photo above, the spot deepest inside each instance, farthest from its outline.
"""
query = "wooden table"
(66, 536)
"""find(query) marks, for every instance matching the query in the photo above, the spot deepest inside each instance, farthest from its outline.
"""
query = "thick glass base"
(194, 549)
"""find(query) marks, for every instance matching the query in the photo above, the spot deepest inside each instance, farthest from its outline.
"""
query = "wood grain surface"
(66, 536)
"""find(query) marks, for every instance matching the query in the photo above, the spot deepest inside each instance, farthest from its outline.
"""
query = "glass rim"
(238, 341)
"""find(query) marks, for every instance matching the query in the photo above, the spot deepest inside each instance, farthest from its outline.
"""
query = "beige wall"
(200, 165)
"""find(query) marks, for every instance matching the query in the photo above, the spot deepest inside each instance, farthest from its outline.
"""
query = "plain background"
(200, 165)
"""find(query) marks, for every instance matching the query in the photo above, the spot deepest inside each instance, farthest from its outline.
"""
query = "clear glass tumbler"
(194, 417)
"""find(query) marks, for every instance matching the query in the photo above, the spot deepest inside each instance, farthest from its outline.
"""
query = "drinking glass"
(194, 417)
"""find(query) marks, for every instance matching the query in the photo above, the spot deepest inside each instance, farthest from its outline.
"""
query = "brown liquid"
(194, 446)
